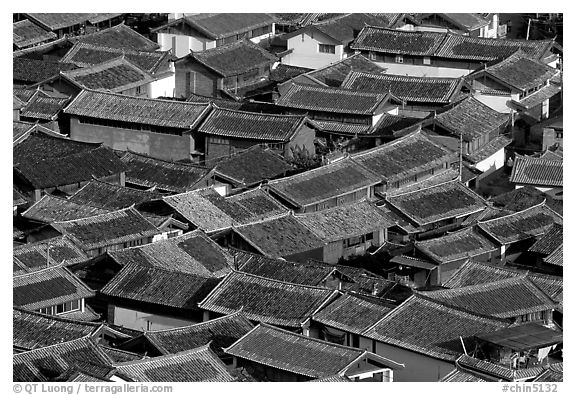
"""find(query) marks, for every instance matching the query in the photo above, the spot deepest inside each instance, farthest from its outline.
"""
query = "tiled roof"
(47, 363)
(538, 97)
(335, 100)
(86, 55)
(33, 330)
(407, 155)
(117, 355)
(119, 36)
(252, 166)
(279, 269)
(344, 28)
(508, 298)
(471, 118)
(162, 287)
(522, 225)
(220, 25)
(256, 204)
(17, 198)
(43, 107)
(496, 370)
(47, 287)
(332, 379)
(463, 376)
(556, 257)
(284, 72)
(252, 126)
(31, 71)
(221, 332)
(233, 59)
(280, 236)
(192, 252)
(523, 198)
(51, 208)
(408, 88)
(169, 176)
(156, 112)
(353, 129)
(116, 75)
(34, 256)
(466, 243)
(111, 196)
(430, 328)
(55, 21)
(346, 221)
(442, 177)
(395, 125)
(303, 355)
(467, 21)
(448, 200)
(488, 149)
(555, 373)
(108, 229)
(265, 300)
(323, 183)
(549, 241)
(199, 364)
(537, 171)
(26, 33)
(351, 313)
(373, 38)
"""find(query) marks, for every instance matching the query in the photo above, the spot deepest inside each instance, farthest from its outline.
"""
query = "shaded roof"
(537, 98)
(345, 28)
(119, 36)
(47, 363)
(488, 149)
(55, 21)
(47, 287)
(108, 229)
(402, 157)
(463, 244)
(199, 364)
(335, 100)
(531, 222)
(471, 118)
(380, 39)
(32, 71)
(497, 371)
(156, 112)
(351, 313)
(265, 300)
(549, 241)
(33, 330)
(234, 58)
(43, 107)
(407, 88)
(555, 373)
(466, 21)
(111, 196)
(433, 204)
(159, 286)
(526, 197)
(250, 125)
(464, 376)
(556, 257)
(431, 328)
(51, 208)
(508, 298)
(283, 72)
(148, 172)
(537, 171)
(34, 256)
(525, 337)
(323, 183)
(26, 33)
(220, 25)
(220, 332)
(256, 204)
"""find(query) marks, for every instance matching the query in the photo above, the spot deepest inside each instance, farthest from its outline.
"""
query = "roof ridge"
(196, 350)
(541, 204)
(314, 287)
(223, 109)
(143, 155)
(235, 314)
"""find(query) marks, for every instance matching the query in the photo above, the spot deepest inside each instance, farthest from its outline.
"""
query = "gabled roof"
(199, 364)
(430, 328)
(119, 36)
(252, 166)
(303, 355)
(47, 287)
(148, 172)
(279, 269)
(47, 363)
(52, 208)
(497, 371)
(283, 72)
(524, 337)
(43, 107)
(50, 252)
(55, 21)
(433, 204)
(404, 156)
(351, 313)
(32, 330)
(251, 126)
(346, 221)
(489, 149)
(537, 98)
(508, 298)
(26, 33)
(159, 286)
(531, 222)
(380, 39)
(556, 257)
(466, 243)
(549, 241)
(108, 229)
(265, 300)
(111, 196)
(465, 21)
(256, 204)
(220, 332)
(156, 112)
(526, 197)
(471, 118)
(192, 252)
(233, 59)
(408, 88)
(221, 25)
(537, 171)
(323, 183)
(328, 99)
(32, 71)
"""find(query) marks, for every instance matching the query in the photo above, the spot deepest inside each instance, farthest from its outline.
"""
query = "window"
(372, 55)
(326, 48)
(139, 90)
(426, 60)
(399, 59)
(369, 236)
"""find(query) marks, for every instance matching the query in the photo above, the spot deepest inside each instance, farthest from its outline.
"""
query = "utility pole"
(528, 31)
(460, 160)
